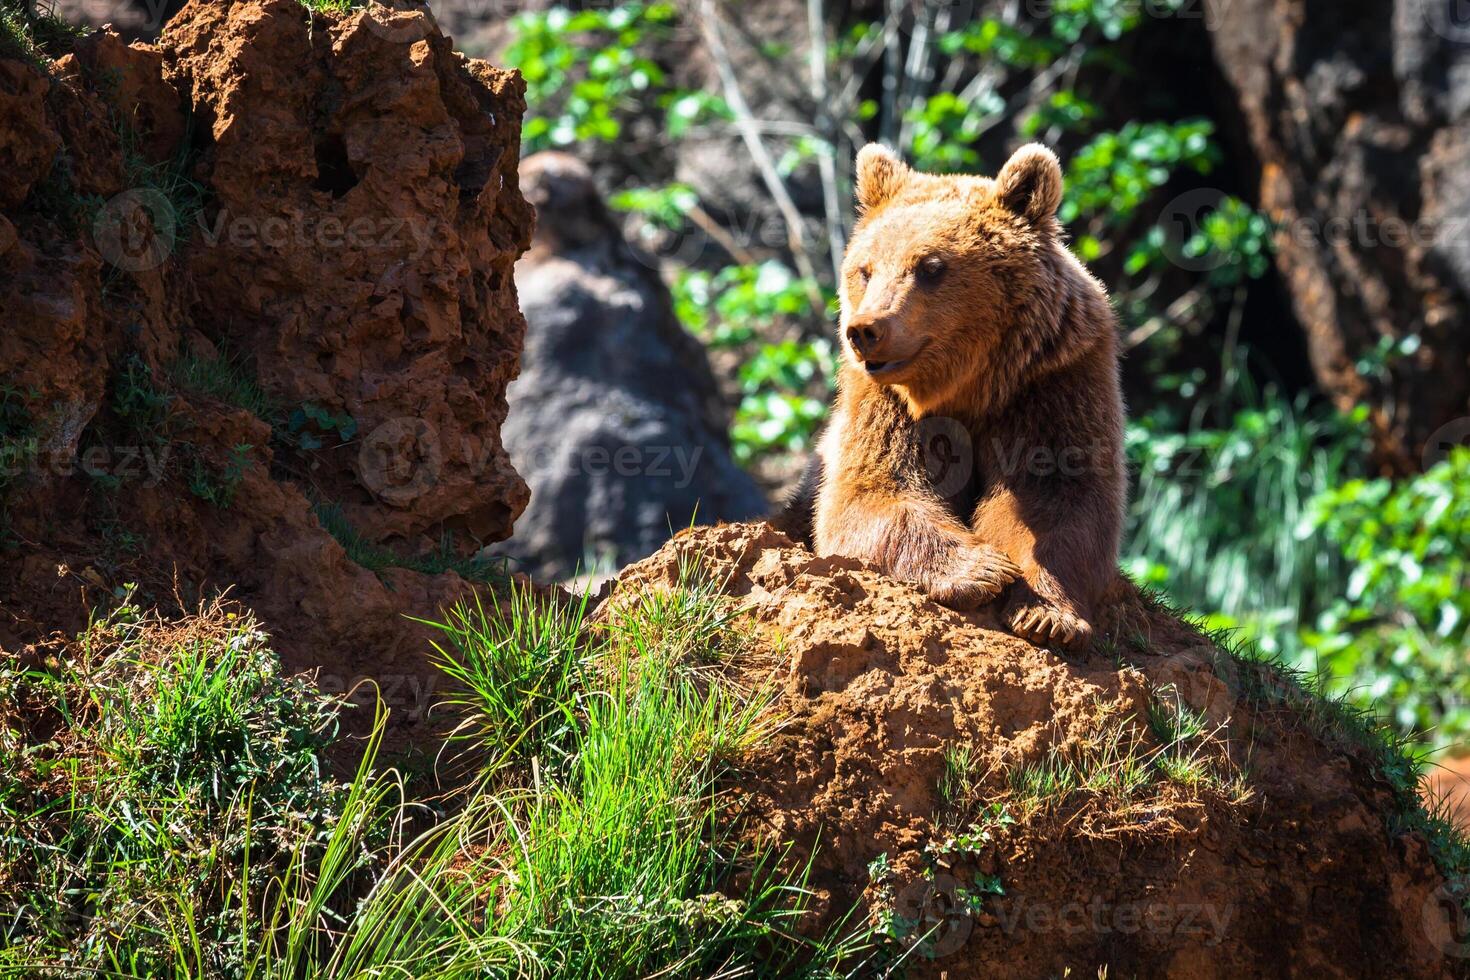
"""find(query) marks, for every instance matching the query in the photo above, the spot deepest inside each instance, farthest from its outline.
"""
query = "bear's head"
(944, 274)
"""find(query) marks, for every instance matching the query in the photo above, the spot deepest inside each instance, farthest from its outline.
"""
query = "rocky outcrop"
(261, 269)
(1157, 805)
(1359, 117)
(363, 226)
(616, 420)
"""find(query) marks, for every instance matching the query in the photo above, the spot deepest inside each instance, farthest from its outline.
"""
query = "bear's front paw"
(1046, 624)
(974, 575)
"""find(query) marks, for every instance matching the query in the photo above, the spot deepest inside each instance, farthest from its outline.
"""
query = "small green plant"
(225, 379)
(993, 821)
(311, 426)
(217, 486)
(333, 6)
(141, 406)
(1188, 751)
(187, 767)
(378, 558)
(516, 665)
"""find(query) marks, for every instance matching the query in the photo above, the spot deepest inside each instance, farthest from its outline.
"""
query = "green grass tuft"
(182, 766)
(377, 558)
(224, 379)
(35, 33)
(515, 666)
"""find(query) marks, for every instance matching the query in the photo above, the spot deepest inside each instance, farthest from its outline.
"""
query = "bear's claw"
(1046, 625)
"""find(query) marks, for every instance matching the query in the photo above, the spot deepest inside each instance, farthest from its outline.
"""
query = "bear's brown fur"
(976, 444)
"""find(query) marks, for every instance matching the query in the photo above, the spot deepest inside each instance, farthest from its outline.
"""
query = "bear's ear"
(880, 175)
(1030, 184)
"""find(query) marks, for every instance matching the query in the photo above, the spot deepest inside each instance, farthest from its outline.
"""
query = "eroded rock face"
(360, 220)
(880, 691)
(27, 144)
(1359, 116)
(616, 420)
(364, 223)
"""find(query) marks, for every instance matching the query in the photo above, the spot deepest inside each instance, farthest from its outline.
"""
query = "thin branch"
(892, 67)
(911, 92)
(817, 64)
(715, 230)
(709, 25)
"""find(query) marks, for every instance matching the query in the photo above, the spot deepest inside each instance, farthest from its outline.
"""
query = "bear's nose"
(865, 335)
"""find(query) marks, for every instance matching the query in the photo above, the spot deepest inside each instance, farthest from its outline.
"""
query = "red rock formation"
(359, 217)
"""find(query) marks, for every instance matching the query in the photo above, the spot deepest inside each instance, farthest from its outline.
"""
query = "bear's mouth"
(875, 368)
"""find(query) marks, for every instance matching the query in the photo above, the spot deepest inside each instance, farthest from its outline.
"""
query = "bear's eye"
(929, 270)
(865, 273)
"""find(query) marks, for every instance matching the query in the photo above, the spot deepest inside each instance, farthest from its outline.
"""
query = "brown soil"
(361, 218)
(1287, 866)
(1447, 784)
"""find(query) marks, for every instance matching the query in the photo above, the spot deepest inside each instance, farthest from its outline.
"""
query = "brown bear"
(975, 448)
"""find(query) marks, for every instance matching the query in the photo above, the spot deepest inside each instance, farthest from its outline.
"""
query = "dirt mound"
(256, 277)
(1158, 806)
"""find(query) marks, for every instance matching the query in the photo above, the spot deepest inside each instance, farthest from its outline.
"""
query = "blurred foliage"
(1221, 501)
(777, 412)
(1264, 523)
(587, 75)
(1401, 628)
(785, 385)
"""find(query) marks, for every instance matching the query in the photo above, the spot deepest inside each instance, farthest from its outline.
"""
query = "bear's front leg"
(913, 539)
(1064, 544)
